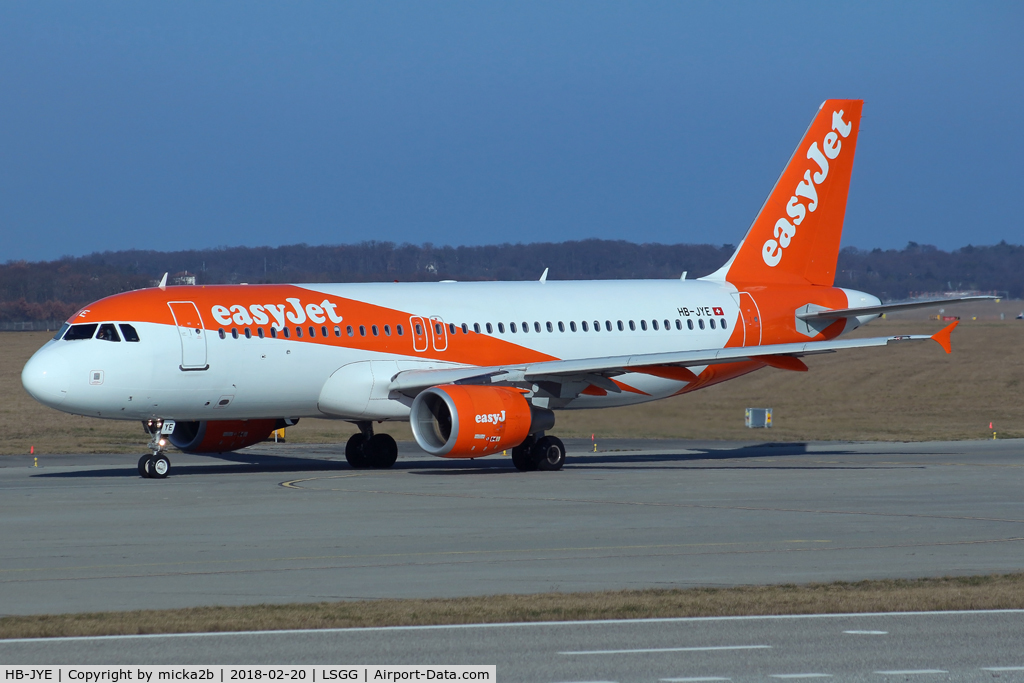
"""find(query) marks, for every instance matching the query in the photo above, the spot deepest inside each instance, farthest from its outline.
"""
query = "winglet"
(163, 282)
(942, 336)
(544, 276)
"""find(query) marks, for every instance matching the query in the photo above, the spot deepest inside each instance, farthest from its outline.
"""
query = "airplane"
(476, 368)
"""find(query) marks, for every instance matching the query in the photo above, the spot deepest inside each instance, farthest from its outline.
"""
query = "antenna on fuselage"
(163, 282)
(544, 276)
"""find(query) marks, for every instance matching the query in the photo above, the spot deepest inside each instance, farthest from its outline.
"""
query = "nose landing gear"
(155, 465)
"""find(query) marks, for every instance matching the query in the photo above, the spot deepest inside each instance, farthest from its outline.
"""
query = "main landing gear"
(368, 450)
(546, 454)
(155, 465)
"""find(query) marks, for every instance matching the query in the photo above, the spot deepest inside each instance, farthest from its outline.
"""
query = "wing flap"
(412, 382)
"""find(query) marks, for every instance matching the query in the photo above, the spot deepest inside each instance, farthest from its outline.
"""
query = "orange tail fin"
(795, 237)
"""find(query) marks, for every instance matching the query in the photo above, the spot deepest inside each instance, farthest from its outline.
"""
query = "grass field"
(919, 595)
(912, 392)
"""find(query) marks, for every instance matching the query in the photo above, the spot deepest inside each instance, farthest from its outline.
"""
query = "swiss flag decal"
(718, 311)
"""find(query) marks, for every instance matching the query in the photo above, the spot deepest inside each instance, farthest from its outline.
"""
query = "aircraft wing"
(597, 371)
(884, 308)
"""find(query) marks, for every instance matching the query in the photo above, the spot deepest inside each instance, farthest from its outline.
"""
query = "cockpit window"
(108, 333)
(129, 333)
(83, 331)
(61, 331)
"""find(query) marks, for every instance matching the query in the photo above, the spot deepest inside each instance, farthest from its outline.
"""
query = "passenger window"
(711, 322)
(700, 323)
(654, 324)
(667, 326)
(259, 331)
(387, 330)
(221, 333)
(526, 326)
(312, 331)
(438, 329)
(362, 330)
(273, 332)
(490, 330)
(337, 331)
(536, 327)
(465, 328)
(234, 333)
(85, 331)
(451, 327)
(350, 331)
(476, 327)
(585, 327)
(723, 323)
(287, 332)
(551, 328)
(399, 330)
(679, 324)
(632, 326)
(298, 332)
(376, 332)
(608, 325)
(512, 327)
(572, 325)
(501, 328)
(323, 331)
(419, 329)
(643, 325)
(689, 323)
(108, 333)
(248, 333)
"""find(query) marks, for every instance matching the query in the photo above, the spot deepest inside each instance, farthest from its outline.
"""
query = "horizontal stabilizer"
(884, 308)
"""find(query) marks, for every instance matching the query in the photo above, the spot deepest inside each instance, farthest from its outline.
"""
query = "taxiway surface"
(292, 523)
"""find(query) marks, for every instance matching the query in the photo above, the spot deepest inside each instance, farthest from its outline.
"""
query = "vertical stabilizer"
(795, 237)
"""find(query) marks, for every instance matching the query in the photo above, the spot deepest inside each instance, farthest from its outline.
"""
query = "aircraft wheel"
(522, 456)
(356, 452)
(383, 451)
(144, 466)
(159, 466)
(549, 454)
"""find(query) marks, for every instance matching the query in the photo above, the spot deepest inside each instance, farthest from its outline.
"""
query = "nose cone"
(47, 376)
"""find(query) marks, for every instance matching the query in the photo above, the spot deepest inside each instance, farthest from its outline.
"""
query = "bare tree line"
(53, 290)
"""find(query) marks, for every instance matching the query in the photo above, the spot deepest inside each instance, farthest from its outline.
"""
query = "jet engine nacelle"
(463, 421)
(220, 436)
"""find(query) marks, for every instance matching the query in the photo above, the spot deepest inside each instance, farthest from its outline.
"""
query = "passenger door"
(192, 335)
(751, 320)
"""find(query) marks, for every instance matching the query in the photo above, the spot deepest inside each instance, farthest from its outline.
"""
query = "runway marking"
(868, 633)
(693, 680)
(696, 506)
(650, 650)
(800, 676)
(512, 624)
(911, 672)
(1002, 668)
(292, 484)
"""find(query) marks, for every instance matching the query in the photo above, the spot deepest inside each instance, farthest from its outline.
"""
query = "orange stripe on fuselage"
(150, 306)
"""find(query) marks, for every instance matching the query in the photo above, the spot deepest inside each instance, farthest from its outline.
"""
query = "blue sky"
(191, 125)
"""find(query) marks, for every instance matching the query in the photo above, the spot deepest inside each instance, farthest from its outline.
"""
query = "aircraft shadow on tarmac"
(252, 463)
